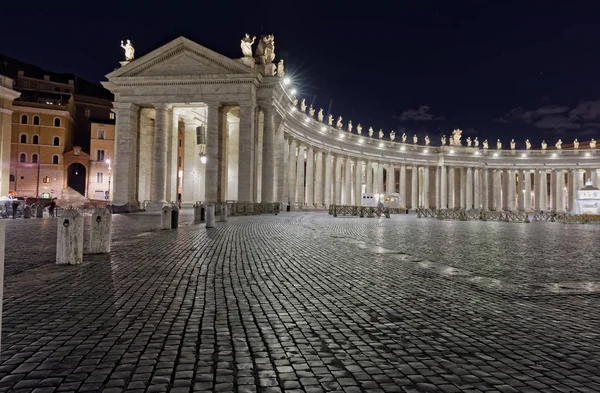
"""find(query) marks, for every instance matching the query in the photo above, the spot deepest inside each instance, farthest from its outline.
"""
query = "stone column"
(574, 186)
(124, 168)
(477, 189)
(233, 156)
(327, 183)
(438, 174)
(376, 184)
(191, 160)
(469, 198)
(146, 147)
(369, 172)
(543, 190)
(159, 164)
(402, 175)
(347, 181)
(426, 187)
(521, 191)
(536, 189)
(451, 188)
(172, 155)
(358, 169)
(443, 188)
(512, 189)
(213, 126)
(594, 178)
(498, 189)
(267, 194)
(463, 188)
(552, 190)
(527, 187)
(485, 196)
(560, 191)
(246, 162)
(380, 178)
(337, 192)
(300, 175)
(504, 187)
(391, 179)
(319, 180)
(414, 200)
(292, 172)
(310, 179)
(280, 165)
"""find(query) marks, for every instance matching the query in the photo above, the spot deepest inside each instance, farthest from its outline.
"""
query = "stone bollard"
(210, 216)
(165, 218)
(69, 238)
(174, 216)
(101, 231)
(223, 217)
(39, 211)
(197, 213)
(27, 212)
(202, 213)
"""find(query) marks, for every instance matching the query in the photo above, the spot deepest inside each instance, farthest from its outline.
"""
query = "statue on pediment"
(295, 102)
(513, 145)
(370, 132)
(359, 129)
(476, 142)
(576, 144)
(527, 144)
(443, 140)
(544, 145)
(303, 106)
(320, 115)
(499, 144)
(392, 136)
(558, 144)
(330, 120)
(427, 140)
(280, 69)
(456, 135)
(469, 142)
(486, 144)
(404, 137)
(339, 124)
(380, 133)
(246, 45)
(592, 144)
(350, 126)
(311, 111)
(129, 50)
(415, 139)
(265, 51)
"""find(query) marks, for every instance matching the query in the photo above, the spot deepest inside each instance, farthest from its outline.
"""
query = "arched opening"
(34, 158)
(55, 159)
(36, 120)
(22, 157)
(56, 122)
(12, 177)
(35, 140)
(24, 119)
(23, 138)
(76, 176)
(56, 141)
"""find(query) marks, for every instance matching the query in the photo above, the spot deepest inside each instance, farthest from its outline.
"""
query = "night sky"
(519, 69)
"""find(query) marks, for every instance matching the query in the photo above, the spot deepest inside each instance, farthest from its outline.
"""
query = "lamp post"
(109, 177)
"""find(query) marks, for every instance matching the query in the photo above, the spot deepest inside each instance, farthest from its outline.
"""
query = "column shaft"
(443, 188)
(300, 175)
(414, 200)
(469, 198)
(246, 163)
(527, 193)
(327, 183)
(292, 172)
(347, 181)
(390, 181)
(369, 172)
(403, 185)
(310, 179)
(426, 187)
(124, 176)
(358, 169)
(337, 192)
(319, 179)
(159, 165)
(268, 157)
(543, 190)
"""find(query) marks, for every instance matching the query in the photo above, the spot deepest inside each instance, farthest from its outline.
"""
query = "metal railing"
(364, 211)
(507, 216)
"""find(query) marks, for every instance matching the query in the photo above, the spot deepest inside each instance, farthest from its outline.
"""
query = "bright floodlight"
(523, 155)
(452, 151)
(426, 151)
(293, 91)
(287, 81)
(553, 154)
(402, 148)
(341, 134)
(306, 120)
(107, 161)
(587, 154)
(203, 159)
(380, 144)
(323, 128)
(495, 154)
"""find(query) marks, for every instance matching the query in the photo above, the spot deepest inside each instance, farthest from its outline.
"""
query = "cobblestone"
(305, 302)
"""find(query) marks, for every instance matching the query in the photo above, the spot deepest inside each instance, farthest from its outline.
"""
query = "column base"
(155, 206)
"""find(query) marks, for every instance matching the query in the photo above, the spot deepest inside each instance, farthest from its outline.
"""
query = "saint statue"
(265, 51)
(499, 145)
(468, 141)
(129, 50)
(280, 71)
(392, 135)
(350, 126)
(527, 144)
(558, 144)
(359, 129)
(330, 120)
(476, 142)
(311, 111)
(370, 132)
(320, 115)
(485, 144)
(339, 124)
(303, 106)
(427, 141)
(380, 133)
(544, 145)
(295, 102)
(246, 45)
(404, 137)
(443, 140)
(456, 135)
(592, 144)
(512, 144)
(576, 144)
(415, 139)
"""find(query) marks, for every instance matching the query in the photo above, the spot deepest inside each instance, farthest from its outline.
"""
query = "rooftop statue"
(330, 120)
(443, 140)
(456, 135)
(499, 145)
(403, 137)
(339, 124)
(544, 145)
(558, 144)
(246, 45)
(280, 69)
(592, 144)
(392, 136)
(320, 115)
(359, 129)
(350, 126)
(576, 144)
(485, 144)
(469, 141)
(311, 111)
(476, 142)
(303, 106)
(527, 144)
(380, 133)
(265, 51)
(129, 50)
(415, 139)
(512, 144)
(295, 102)
(370, 132)
(427, 141)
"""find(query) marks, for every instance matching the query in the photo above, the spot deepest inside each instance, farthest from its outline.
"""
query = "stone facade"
(260, 148)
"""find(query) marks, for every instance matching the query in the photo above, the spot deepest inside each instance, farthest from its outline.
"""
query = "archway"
(76, 177)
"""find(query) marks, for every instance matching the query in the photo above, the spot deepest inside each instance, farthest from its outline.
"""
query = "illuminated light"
(287, 81)
(307, 120)
(294, 109)
(203, 159)
(524, 155)
(452, 151)
(361, 140)
(587, 154)
(402, 148)
(426, 151)
(380, 144)
(293, 91)
(108, 160)
(495, 154)
(323, 128)
(342, 135)
(476, 153)
(553, 154)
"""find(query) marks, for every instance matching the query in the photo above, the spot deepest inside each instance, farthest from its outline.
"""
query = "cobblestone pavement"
(309, 303)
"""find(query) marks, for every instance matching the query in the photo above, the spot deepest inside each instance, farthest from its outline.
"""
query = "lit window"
(99, 177)
(87, 112)
(111, 116)
(46, 179)
(100, 155)
(100, 134)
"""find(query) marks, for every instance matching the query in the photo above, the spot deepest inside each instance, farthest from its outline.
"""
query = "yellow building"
(102, 152)
(42, 132)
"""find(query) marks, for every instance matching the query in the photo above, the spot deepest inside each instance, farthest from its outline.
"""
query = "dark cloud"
(586, 111)
(531, 116)
(557, 122)
(557, 118)
(421, 114)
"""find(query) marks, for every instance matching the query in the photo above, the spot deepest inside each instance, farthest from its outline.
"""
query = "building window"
(46, 179)
(179, 161)
(34, 158)
(35, 140)
(56, 141)
(100, 134)
(87, 112)
(111, 116)
(11, 178)
(41, 86)
(36, 120)
(23, 138)
(99, 177)
(56, 122)
(55, 159)
(24, 119)
(99, 155)
(179, 142)
(22, 157)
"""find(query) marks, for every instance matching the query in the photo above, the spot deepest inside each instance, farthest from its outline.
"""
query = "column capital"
(161, 105)
(6, 111)
(244, 104)
(124, 106)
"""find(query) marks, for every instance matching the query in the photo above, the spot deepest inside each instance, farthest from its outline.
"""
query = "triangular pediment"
(182, 57)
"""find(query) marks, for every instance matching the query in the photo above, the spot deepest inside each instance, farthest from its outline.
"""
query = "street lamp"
(109, 177)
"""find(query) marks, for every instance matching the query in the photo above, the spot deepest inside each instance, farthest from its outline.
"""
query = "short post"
(165, 217)
(101, 231)
(196, 213)
(39, 211)
(223, 212)
(202, 213)
(210, 216)
(27, 212)
(174, 216)
(335, 210)
(69, 238)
